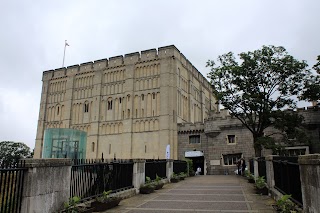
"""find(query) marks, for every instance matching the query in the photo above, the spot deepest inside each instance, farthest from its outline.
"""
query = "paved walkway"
(211, 193)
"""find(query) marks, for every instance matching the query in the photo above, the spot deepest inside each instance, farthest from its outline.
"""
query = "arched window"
(58, 109)
(142, 97)
(92, 146)
(120, 100)
(128, 113)
(110, 105)
(86, 107)
(153, 96)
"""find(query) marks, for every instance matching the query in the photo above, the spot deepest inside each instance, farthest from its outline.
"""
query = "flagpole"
(64, 52)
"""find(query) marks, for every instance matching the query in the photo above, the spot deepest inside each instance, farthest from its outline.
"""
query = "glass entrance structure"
(64, 143)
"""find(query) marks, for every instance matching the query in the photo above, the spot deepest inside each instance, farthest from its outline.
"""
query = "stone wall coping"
(270, 157)
(52, 162)
(138, 160)
(311, 159)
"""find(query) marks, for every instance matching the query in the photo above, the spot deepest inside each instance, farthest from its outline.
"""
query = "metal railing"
(251, 166)
(262, 167)
(156, 167)
(90, 178)
(287, 177)
(180, 166)
(11, 186)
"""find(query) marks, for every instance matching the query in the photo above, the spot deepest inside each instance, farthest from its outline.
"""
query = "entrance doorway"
(198, 162)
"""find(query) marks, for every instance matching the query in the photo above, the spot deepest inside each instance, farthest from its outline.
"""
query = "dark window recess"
(194, 139)
(109, 105)
(231, 159)
(231, 138)
(86, 107)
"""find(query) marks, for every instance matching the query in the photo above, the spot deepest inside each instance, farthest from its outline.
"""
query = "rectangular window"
(231, 159)
(231, 139)
(194, 139)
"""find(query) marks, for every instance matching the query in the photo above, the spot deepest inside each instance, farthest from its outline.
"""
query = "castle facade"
(129, 106)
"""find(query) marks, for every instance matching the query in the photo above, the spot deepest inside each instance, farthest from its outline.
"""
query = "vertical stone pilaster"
(169, 167)
(270, 171)
(138, 174)
(256, 167)
(310, 182)
(46, 185)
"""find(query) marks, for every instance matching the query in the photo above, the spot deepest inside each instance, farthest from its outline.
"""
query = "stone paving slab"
(186, 205)
(214, 193)
(206, 191)
(202, 197)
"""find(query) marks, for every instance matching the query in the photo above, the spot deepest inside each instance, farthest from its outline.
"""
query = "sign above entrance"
(189, 154)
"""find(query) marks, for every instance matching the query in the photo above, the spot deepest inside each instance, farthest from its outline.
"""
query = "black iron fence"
(262, 167)
(180, 166)
(287, 177)
(11, 185)
(156, 167)
(251, 165)
(91, 177)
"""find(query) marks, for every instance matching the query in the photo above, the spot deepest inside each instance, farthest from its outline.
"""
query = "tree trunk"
(257, 146)
(257, 151)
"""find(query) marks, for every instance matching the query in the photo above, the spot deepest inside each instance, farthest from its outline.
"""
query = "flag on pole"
(64, 51)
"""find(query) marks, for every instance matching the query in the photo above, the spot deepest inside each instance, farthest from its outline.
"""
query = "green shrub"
(286, 205)
(260, 182)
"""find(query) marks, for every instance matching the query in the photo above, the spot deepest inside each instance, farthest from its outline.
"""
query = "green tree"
(258, 85)
(312, 87)
(11, 152)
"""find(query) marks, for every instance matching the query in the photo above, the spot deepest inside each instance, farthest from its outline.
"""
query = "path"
(212, 193)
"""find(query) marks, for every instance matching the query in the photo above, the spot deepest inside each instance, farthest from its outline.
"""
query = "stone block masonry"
(128, 105)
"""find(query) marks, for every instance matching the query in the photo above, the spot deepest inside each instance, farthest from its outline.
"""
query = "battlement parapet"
(72, 70)
(100, 64)
(47, 75)
(187, 127)
(148, 54)
(116, 61)
(131, 58)
(60, 72)
(85, 67)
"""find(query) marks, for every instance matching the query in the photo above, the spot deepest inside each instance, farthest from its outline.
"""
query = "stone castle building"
(129, 106)
(221, 140)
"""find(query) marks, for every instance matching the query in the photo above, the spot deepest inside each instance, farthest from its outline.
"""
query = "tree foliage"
(12, 152)
(258, 85)
(312, 87)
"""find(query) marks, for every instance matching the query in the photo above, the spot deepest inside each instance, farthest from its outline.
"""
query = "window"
(231, 139)
(120, 100)
(92, 146)
(86, 107)
(142, 97)
(153, 96)
(231, 159)
(110, 105)
(194, 139)
(58, 110)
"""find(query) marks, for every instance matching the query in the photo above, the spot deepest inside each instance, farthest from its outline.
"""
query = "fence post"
(169, 171)
(138, 173)
(256, 167)
(310, 182)
(46, 185)
(270, 171)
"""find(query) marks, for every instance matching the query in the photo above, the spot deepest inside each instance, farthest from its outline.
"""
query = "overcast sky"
(33, 33)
